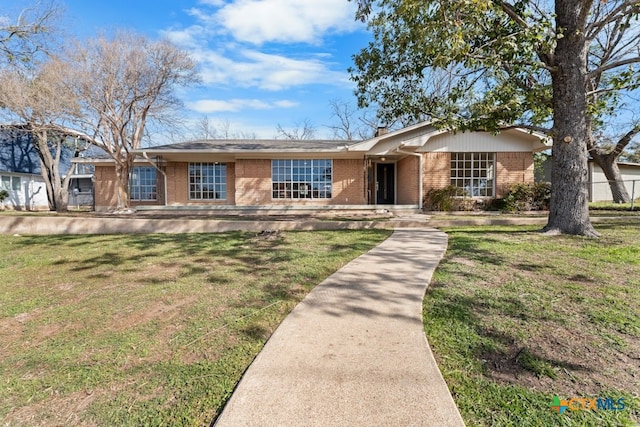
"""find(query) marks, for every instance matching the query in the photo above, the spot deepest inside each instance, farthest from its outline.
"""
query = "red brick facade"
(105, 194)
(408, 187)
(513, 168)
(436, 170)
(249, 181)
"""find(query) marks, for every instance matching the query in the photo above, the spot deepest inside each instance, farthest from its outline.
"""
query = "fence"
(601, 191)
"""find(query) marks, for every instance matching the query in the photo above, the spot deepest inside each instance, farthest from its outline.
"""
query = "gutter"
(420, 181)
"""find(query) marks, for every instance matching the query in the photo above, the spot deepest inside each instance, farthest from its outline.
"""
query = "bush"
(442, 199)
(527, 197)
(3, 195)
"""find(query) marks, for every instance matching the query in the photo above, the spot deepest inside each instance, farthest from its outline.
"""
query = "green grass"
(134, 330)
(615, 207)
(515, 318)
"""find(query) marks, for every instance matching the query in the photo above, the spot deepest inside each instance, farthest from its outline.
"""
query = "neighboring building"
(26, 191)
(20, 176)
(599, 189)
(392, 170)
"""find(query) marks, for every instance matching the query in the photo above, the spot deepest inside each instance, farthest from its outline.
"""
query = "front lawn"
(516, 318)
(131, 330)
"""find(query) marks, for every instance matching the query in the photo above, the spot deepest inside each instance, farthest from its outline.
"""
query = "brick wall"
(408, 185)
(105, 194)
(253, 182)
(436, 169)
(513, 168)
(349, 182)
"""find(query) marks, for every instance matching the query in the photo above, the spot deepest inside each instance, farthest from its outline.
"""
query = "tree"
(633, 153)
(125, 84)
(558, 67)
(347, 126)
(206, 129)
(40, 103)
(28, 35)
(304, 130)
(606, 153)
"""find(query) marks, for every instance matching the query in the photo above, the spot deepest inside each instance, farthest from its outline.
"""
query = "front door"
(385, 183)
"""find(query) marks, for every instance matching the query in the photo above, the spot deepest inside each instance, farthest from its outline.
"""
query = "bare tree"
(606, 156)
(29, 34)
(302, 130)
(206, 128)
(125, 84)
(41, 106)
(347, 125)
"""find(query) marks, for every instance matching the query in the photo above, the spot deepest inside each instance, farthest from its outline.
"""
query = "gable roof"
(420, 136)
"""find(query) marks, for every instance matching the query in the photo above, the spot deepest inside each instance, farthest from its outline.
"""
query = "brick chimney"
(382, 130)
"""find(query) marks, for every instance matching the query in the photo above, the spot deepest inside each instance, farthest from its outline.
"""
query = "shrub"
(442, 199)
(3, 195)
(527, 197)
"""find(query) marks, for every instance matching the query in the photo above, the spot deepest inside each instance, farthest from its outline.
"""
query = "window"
(301, 179)
(143, 183)
(207, 181)
(473, 172)
(11, 183)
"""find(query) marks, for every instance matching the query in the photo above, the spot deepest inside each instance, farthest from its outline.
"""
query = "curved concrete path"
(353, 352)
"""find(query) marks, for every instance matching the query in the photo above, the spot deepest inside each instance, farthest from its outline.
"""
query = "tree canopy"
(36, 103)
(122, 85)
(561, 67)
(22, 38)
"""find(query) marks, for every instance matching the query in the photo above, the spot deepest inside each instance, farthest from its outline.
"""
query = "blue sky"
(263, 62)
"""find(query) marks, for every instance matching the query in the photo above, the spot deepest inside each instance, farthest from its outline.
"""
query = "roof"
(253, 145)
(17, 154)
(416, 138)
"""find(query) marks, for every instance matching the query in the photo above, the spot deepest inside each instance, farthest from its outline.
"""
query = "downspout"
(164, 175)
(420, 183)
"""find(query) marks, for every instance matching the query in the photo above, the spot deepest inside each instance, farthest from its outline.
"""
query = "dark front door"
(385, 183)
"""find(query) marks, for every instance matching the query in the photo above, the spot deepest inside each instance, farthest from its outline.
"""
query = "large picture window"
(473, 172)
(301, 179)
(207, 181)
(143, 184)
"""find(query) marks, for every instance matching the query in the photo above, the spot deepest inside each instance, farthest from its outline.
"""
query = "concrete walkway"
(353, 352)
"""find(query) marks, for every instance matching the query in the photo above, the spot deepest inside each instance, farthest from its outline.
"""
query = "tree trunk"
(123, 170)
(57, 191)
(62, 199)
(611, 171)
(46, 166)
(569, 209)
(51, 198)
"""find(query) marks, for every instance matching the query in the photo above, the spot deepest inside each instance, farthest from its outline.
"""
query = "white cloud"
(189, 38)
(286, 104)
(285, 21)
(216, 3)
(208, 106)
(252, 68)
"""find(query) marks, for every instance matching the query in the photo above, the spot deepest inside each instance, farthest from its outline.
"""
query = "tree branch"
(613, 65)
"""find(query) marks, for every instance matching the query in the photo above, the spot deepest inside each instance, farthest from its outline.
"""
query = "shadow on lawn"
(500, 354)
